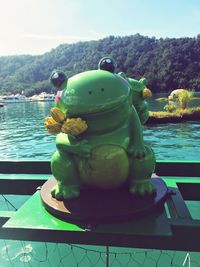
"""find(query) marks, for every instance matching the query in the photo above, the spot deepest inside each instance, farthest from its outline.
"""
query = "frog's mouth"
(104, 112)
(97, 110)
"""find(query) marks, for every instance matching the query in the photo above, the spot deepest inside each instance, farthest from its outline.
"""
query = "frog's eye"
(58, 79)
(107, 63)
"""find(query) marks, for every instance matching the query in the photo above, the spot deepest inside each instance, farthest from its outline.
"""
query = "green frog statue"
(99, 135)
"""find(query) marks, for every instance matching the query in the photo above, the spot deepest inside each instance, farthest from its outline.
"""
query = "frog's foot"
(65, 192)
(138, 153)
(142, 188)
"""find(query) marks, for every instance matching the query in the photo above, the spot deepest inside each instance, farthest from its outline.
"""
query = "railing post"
(107, 256)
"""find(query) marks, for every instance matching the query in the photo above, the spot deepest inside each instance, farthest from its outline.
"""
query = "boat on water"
(18, 98)
(1, 105)
(13, 98)
(43, 97)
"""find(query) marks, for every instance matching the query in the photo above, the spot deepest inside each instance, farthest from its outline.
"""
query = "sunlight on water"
(22, 132)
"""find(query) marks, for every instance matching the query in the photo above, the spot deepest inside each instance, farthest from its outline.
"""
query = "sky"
(37, 26)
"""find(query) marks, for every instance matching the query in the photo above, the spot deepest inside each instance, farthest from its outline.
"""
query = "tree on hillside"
(166, 63)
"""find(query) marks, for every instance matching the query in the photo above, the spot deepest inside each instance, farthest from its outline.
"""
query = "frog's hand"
(136, 151)
(142, 187)
(79, 148)
(136, 135)
(62, 141)
(84, 150)
(65, 192)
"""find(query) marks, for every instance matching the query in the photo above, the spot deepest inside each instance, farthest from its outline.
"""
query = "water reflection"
(174, 141)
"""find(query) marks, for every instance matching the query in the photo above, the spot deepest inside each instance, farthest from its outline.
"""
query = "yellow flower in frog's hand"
(57, 115)
(58, 123)
(74, 126)
(52, 126)
(146, 93)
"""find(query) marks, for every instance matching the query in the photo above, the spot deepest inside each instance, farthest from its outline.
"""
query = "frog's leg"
(64, 170)
(141, 170)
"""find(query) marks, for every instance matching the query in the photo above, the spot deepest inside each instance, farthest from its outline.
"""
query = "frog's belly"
(107, 168)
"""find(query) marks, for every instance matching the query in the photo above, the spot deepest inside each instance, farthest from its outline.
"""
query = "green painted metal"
(154, 231)
(41, 223)
(20, 176)
(188, 187)
(5, 216)
(178, 168)
(38, 217)
(21, 184)
(163, 168)
(177, 231)
(25, 167)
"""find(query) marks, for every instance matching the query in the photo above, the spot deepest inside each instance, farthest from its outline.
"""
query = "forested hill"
(166, 63)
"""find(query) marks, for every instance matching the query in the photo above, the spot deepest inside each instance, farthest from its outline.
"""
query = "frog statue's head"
(91, 92)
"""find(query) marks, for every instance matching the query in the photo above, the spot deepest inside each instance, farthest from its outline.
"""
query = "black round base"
(103, 206)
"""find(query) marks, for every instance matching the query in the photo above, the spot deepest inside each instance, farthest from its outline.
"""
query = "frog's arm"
(80, 148)
(136, 146)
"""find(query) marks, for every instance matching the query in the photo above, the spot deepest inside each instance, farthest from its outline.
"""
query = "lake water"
(23, 137)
